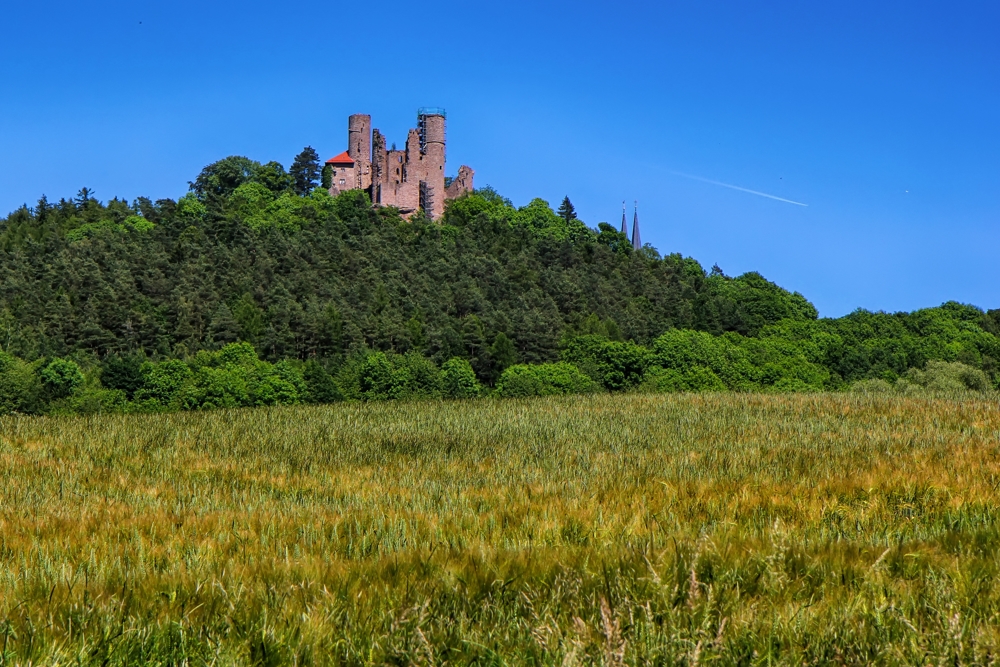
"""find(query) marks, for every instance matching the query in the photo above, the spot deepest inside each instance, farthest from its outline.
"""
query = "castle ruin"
(411, 179)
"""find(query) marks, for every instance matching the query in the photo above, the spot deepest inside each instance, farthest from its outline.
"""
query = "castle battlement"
(412, 179)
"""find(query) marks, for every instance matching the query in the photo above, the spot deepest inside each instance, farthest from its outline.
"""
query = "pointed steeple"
(636, 241)
(624, 225)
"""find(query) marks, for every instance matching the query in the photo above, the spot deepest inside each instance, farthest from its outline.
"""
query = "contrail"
(736, 187)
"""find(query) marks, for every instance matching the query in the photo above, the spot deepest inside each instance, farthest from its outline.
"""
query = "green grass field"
(607, 529)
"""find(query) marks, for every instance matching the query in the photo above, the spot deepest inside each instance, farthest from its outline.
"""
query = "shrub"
(20, 386)
(61, 376)
(235, 377)
(949, 376)
(320, 385)
(123, 373)
(458, 380)
(280, 384)
(423, 378)
(876, 386)
(162, 382)
(692, 353)
(382, 376)
(93, 399)
(695, 378)
(544, 380)
(238, 354)
(937, 377)
(616, 365)
(782, 365)
(216, 388)
(377, 379)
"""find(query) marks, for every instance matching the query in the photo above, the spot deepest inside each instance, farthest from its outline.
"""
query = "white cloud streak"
(736, 187)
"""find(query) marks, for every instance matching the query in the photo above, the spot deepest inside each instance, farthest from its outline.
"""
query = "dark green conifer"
(305, 171)
(566, 210)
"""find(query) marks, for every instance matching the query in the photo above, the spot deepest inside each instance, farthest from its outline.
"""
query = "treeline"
(101, 300)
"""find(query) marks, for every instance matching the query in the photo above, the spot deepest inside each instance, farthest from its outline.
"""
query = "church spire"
(624, 225)
(636, 241)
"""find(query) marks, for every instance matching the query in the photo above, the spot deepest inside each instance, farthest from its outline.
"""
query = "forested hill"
(253, 254)
(317, 276)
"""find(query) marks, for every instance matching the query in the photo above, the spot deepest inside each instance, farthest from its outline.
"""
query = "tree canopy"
(252, 255)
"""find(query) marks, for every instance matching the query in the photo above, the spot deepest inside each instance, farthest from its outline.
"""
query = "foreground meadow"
(696, 529)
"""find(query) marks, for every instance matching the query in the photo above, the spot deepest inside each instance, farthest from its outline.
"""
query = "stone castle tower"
(412, 179)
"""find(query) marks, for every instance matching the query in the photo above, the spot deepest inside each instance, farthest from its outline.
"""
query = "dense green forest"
(257, 287)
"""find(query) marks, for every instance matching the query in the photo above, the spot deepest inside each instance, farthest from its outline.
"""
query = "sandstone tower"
(412, 179)
(430, 127)
(359, 148)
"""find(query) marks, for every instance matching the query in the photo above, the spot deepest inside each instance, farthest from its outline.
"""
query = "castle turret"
(359, 147)
(431, 126)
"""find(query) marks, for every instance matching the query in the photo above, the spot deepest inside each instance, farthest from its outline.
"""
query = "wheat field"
(609, 529)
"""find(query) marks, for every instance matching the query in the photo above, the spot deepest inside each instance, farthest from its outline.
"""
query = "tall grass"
(602, 529)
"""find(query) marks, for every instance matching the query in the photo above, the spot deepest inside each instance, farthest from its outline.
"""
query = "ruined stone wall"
(461, 183)
(398, 187)
(378, 167)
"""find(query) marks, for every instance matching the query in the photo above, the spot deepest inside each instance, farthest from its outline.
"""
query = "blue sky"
(883, 119)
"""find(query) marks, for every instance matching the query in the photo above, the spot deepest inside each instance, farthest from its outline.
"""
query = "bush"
(876, 386)
(701, 359)
(390, 376)
(61, 377)
(949, 376)
(377, 378)
(236, 354)
(320, 385)
(458, 380)
(162, 383)
(783, 365)
(235, 377)
(616, 365)
(937, 377)
(280, 384)
(695, 378)
(123, 373)
(92, 400)
(210, 388)
(20, 386)
(544, 380)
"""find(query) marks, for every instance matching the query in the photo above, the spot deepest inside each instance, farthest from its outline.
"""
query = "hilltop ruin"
(412, 179)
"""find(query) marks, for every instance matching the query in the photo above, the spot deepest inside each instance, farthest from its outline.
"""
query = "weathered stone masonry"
(411, 179)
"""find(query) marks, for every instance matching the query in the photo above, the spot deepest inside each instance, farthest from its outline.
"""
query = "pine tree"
(305, 170)
(566, 210)
(223, 327)
(502, 355)
(84, 196)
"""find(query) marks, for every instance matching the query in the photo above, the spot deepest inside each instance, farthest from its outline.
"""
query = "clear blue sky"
(884, 120)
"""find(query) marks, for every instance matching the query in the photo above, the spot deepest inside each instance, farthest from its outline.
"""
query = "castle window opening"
(343, 181)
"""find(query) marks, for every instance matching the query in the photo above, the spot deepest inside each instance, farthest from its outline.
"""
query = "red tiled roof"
(342, 159)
